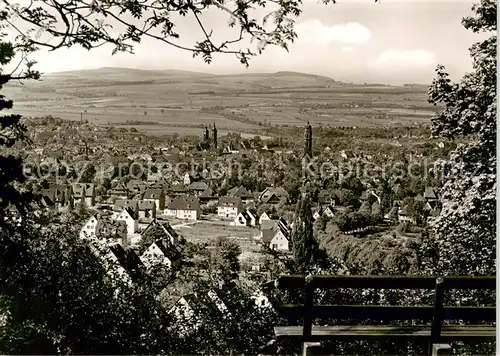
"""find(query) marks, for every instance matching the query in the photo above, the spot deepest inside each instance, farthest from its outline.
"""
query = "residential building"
(245, 218)
(157, 196)
(89, 228)
(126, 262)
(162, 230)
(229, 207)
(84, 192)
(242, 219)
(272, 195)
(403, 215)
(208, 195)
(121, 204)
(59, 196)
(324, 211)
(254, 218)
(185, 207)
(159, 253)
(177, 189)
(147, 209)
(197, 188)
(276, 238)
(187, 179)
(431, 197)
(120, 191)
(103, 229)
(265, 216)
(129, 217)
(242, 193)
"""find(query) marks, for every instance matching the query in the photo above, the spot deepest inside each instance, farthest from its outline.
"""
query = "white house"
(113, 258)
(229, 207)
(245, 218)
(254, 219)
(184, 207)
(121, 204)
(89, 228)
(280, 241)
(276, 238)
(328, 211)
(183, 310)
(242, 219)
(264, 217)
(127, 216)
(158, 253)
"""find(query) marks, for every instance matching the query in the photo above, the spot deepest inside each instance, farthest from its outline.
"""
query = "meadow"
(164, 102)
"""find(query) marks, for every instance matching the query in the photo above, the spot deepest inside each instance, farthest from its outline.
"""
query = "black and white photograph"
(248, 177)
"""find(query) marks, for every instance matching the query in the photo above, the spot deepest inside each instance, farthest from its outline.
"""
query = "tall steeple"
(308, 140)
(214, 136)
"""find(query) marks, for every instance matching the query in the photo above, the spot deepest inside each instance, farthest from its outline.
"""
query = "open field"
(207, 231)
(183, 102)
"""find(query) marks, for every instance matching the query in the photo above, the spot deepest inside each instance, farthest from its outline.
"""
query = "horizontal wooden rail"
(387, 313)
(381, 282)
(385, 333)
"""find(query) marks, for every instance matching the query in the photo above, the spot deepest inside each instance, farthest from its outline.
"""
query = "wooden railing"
(435, 333)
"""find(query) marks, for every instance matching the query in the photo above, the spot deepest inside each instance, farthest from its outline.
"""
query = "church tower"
(214, 136)
(308, 140)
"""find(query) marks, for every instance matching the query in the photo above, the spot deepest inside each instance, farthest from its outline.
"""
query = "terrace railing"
(436, 333)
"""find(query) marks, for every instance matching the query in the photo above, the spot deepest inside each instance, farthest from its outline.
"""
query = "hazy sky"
(361, 41)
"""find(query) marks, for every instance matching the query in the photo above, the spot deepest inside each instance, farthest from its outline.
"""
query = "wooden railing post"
(308, 304)
(441, 350)
(437, 318)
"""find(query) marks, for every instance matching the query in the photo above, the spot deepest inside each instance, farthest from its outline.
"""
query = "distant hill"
(117, 73)
(281, 79)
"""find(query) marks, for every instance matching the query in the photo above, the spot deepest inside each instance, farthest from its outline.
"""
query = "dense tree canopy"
(464, 239)
(54, 286)
(304, 244)
(12, 130)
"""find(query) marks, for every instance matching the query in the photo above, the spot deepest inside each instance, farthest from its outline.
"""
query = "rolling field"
(183, 102)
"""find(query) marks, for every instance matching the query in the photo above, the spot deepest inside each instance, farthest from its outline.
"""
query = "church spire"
(214, 135)
(308, 140)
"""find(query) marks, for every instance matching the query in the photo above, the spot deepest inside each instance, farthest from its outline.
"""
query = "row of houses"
(192, 310)
(109, 234)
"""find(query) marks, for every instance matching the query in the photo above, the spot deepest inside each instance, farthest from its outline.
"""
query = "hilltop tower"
(308, 140)
(214, 136)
